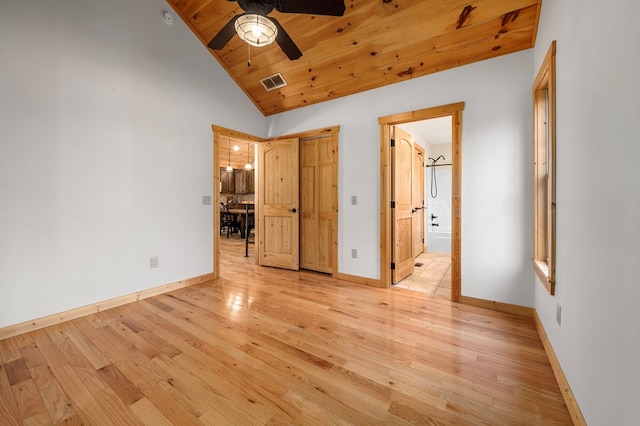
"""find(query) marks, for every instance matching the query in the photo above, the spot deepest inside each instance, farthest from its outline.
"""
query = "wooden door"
(316, 203)
(278, 208)
(402, 203)
(418, 199)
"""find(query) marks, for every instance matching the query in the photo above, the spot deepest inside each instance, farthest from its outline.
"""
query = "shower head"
(436, 160)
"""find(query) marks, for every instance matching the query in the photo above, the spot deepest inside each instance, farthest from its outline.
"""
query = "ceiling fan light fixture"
(257, 30)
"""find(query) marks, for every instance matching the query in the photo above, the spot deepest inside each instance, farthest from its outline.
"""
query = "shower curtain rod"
(438, 165)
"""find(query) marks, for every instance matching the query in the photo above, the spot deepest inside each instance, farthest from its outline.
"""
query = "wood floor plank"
(9, 350)
(79, 375)
(9, 414)
(126, 391)
(149, 413)
(48, 350)
(264, 346)
(57, 403)
(30, 405)
(53, 397)
(88, 350)
(237, 398)
(17, 371)
(87, 401)
(200, 356)
(129, 361)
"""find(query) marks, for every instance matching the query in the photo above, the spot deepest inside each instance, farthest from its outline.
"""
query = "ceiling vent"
(273, 82)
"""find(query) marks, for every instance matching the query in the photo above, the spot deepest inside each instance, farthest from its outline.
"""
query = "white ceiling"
(433, 131)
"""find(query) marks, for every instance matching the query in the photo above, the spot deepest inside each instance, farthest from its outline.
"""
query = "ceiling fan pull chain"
(249, 55)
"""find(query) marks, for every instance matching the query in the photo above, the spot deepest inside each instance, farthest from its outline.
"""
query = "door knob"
(293, 210)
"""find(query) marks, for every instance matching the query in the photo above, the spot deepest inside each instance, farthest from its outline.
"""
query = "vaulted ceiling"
(375, 43)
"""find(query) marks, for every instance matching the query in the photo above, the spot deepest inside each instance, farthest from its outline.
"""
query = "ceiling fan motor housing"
(258, 7)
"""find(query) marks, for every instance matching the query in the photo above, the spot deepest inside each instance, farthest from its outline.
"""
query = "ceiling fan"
(258, 29)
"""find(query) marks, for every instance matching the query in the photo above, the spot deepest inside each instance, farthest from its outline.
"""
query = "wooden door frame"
(219, 132)
(422, 154)
(455, 111)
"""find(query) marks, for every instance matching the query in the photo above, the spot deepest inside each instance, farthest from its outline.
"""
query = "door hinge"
(393, 204)
(393, 266)
(393, 142)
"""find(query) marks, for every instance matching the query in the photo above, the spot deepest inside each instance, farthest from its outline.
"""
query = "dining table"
(244, 214)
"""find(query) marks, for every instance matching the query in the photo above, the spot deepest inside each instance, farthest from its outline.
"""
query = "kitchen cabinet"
(227, 181)
(243, 180)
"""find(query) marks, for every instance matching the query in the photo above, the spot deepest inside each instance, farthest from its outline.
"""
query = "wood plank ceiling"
(375, 43)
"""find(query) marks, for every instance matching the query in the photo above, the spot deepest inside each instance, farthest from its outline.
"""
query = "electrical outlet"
(354, 200)
(206, 200)
(354, 253)
(153, 262)
(559, 314)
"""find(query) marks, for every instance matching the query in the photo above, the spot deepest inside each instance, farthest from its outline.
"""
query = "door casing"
(418, 199)
(455, 111)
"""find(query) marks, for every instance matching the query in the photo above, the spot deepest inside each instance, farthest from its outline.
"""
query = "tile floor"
(432, 274)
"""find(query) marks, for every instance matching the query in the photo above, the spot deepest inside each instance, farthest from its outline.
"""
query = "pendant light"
(229, 168)
(248, 165)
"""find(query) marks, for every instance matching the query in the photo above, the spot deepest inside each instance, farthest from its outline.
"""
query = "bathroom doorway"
(454, 111)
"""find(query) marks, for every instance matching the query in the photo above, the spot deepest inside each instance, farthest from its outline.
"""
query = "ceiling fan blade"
(312, 7)
(286, 44)
(222, 38)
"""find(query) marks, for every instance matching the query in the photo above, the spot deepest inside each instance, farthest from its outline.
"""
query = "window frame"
(544, 171)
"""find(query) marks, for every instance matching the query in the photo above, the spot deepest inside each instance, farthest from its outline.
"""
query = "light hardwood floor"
(268, 346)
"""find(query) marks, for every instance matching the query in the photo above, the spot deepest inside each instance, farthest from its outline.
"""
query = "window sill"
(542, 271)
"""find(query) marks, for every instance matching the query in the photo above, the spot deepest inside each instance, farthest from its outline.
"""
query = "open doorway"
(431, 205)
(237, 166)
(318, 199)
(234, 199)
(390, 240)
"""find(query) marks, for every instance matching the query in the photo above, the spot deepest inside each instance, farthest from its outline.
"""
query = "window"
(544, 202)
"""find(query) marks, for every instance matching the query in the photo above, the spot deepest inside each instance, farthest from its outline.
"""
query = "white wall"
(598, 204)
(105, 151)
(496, 182)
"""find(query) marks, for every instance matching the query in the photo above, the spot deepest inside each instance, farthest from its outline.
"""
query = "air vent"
(273, 82)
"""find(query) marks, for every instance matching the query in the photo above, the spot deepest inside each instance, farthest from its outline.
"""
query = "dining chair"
(228, 221)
